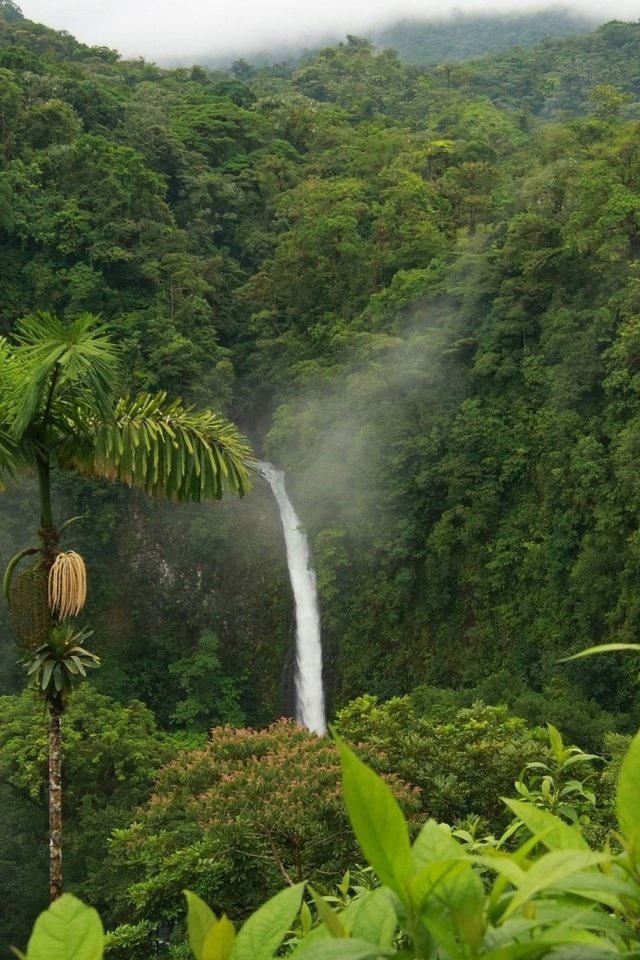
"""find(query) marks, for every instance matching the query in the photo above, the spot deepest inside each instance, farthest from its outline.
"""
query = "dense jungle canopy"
(413, 288)
(416, 288)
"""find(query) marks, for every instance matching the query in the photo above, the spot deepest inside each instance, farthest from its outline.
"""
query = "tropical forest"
(361, 325)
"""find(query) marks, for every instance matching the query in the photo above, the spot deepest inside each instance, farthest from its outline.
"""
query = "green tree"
(462, 762)
(112, 754)
(234, 820)
(49, 123)
(59, 406)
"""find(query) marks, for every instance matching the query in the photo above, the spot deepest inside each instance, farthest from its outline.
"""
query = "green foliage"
(377, 820)
(551, 897)
(58, 398)
(461, 762)
(627, 796)
(209, 697)
(418, 290)
(232, 820)
(111, 755)
(464, 36)
(57, 666)
(553, 786)
(68, 930)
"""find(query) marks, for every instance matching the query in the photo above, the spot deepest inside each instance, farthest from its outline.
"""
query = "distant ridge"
(426, 41)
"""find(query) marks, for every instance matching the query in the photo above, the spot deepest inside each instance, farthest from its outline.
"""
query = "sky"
(170, 29)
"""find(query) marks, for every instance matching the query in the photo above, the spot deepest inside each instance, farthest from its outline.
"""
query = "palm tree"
(59, 407)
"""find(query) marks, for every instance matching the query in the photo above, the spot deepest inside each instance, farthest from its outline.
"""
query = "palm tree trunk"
(55, 800)
(49, 536)
(44, 485)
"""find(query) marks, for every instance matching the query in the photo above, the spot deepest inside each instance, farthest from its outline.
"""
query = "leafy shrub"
(461, 764)
(233, 821)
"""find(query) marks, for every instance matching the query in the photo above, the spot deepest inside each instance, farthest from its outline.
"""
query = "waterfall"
(309, 691)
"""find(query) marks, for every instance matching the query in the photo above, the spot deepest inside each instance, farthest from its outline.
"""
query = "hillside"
(465, 36)
(251, 249)
(427, 41)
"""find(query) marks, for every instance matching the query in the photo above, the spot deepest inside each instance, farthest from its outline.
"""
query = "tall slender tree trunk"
(49, 537)
(55, 800)
(48, 533)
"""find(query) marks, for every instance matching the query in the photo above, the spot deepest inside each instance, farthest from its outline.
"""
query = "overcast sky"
(157, 29)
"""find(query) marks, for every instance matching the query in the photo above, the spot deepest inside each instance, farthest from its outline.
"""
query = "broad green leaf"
(559, 927)
(68, 930)
(265, 929)
(580, 758)
(329, 917)
(374, 918)
(450, 897)
(585, 951)
(606, 888)
(200, 920)
(430, 882)
(555, 739)
(434, 843)
(306, 920)
(465, 900)
(344, 884)
(502, 863)
(554, 833)
(628, 796)
(441, 931)
(377, 820)
(47, 672)
(540, 948)
(342, 950)
(550, 869)
(218, 943)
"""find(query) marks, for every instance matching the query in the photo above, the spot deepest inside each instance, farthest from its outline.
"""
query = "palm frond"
(168, 449)
(6, 365)
(58, 665)
(9, 458)
(9, 453)
(52, 359)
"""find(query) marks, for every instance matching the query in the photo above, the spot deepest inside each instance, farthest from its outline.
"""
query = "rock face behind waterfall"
(309, 690)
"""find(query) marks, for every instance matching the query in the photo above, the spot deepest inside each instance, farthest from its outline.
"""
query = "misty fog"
(157, 29)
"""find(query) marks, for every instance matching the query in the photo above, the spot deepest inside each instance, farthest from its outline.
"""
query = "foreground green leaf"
(265, 929)
(551, 831)
(373, 918)
(219, 941)
(550, 869)
(601, 648)
(200, 920)
(377, 820)
(342, 950)
(68, 930)
(628, 796)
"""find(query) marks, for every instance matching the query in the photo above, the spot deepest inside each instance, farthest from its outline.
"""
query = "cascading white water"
(309, 691)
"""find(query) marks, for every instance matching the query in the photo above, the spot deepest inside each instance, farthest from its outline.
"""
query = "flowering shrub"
(234, 821)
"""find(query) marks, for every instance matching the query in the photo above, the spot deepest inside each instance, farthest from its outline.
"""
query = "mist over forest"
(405, 267)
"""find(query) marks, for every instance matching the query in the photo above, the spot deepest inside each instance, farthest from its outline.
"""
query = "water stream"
(309, 691)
